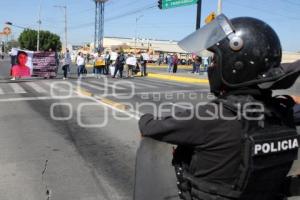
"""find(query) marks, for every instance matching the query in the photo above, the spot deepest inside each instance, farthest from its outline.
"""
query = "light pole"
(39, 28)
(66, 27)
(11, 24)
(135, 37)
(219, 11)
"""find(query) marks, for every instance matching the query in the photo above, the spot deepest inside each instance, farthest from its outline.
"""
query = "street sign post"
(166, 4)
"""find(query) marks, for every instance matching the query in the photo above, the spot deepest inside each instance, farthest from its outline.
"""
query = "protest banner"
(44, 64)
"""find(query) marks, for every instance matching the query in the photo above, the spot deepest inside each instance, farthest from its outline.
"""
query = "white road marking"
(109, 84)
(90, 85)
(17, 88)
(33, 98)
(138, 84)
(1, 91)
(157, 92)
(36, 87)
(136, 115)
(59, 83)
(166, 83)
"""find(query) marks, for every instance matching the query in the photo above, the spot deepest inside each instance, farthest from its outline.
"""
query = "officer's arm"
(173, 130)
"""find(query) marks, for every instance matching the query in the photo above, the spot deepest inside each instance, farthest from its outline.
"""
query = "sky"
(127, 18)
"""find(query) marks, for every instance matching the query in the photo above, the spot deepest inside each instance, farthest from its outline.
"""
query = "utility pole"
(39, 28)
(198, 20)
(66, 26)
(219, 11)
(99, 24)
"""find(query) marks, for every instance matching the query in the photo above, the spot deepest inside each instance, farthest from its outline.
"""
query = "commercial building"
(162, 47)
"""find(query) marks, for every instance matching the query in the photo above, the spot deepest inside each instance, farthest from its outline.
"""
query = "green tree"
(28, 40)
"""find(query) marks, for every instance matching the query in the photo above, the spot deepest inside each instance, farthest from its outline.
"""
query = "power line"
(116, 17)
(263, 10)
(125, 5)
(131, 12)
(291, 2)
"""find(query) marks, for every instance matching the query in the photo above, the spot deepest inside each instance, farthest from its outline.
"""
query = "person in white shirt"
(131, 63)
(81, 64)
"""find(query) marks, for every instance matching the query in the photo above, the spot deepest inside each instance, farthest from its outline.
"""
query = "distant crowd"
(116, 64)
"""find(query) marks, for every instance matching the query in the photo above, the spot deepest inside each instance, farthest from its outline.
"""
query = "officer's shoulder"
(214, 107)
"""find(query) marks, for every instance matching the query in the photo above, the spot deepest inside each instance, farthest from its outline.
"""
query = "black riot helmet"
(247, 52)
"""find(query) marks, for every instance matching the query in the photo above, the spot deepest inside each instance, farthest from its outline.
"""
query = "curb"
(182, 79)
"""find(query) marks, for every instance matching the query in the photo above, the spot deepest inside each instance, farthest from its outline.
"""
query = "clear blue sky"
(172, 24)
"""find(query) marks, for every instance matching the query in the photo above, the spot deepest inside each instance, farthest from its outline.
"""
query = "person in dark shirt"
(119, 65)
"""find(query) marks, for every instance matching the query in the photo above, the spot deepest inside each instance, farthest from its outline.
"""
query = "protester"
(119, 65)
(131, 64)
(80, 61)
(66, 63)
(99, 65)
(107, 62)
(170, 63)
(144, 57)
(196, 64)
(175, 63)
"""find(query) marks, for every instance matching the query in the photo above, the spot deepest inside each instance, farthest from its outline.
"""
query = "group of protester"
(115, 63)
(109, 63)
(172, 61)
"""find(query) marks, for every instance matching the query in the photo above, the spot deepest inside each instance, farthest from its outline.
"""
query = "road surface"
(76, 139)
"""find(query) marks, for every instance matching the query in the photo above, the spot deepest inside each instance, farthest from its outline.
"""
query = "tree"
(28, 40)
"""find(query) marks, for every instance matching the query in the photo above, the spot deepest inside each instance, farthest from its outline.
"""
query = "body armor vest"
(268, 150)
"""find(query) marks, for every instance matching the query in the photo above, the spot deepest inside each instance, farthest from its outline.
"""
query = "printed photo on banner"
(21, 63)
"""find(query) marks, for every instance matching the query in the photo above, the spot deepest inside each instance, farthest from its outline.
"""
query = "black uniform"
(211, 152)
(242, 158)
(119, 65)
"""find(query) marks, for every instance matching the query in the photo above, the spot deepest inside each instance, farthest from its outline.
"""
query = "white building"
(157, 47)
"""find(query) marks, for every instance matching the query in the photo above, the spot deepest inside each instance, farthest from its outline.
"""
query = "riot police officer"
(230, 157)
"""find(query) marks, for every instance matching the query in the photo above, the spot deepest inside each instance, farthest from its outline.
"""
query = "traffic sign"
(210, 17)
(166, 4)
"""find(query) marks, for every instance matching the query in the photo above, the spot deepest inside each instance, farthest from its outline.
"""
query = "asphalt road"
(77, 139)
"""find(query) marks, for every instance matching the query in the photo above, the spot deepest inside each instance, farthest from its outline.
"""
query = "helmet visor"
(208, 35)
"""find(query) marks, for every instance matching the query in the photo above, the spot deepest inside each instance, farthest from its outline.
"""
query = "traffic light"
(160, 4)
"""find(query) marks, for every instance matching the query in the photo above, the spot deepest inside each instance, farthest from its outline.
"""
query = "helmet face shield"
(247, 53)
(207, 36)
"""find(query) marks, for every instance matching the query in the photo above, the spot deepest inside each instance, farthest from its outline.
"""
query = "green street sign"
(176, 3)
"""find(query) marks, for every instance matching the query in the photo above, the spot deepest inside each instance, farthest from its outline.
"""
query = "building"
(163, 47)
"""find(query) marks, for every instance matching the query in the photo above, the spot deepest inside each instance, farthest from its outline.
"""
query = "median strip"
(182, 79)
(84, 92)
(107, 101)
